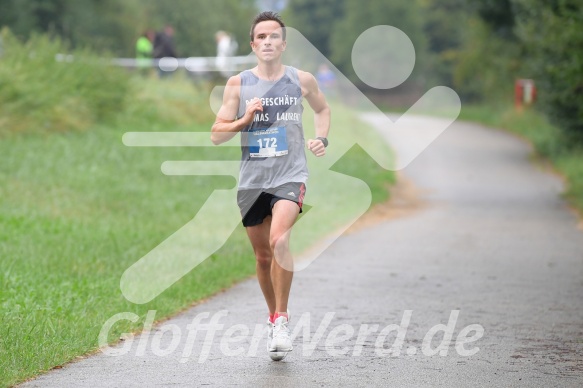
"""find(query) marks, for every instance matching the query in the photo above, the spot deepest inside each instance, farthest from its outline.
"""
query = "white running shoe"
(281, 341)
(275, 356)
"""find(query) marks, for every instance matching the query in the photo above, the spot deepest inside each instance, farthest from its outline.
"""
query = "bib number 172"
(268, 142)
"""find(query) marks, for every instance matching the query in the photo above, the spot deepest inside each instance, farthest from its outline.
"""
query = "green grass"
(40, 94)
(78, 207)
(547, 140)
(76, 210)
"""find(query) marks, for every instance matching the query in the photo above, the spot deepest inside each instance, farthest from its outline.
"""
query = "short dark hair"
(263, 17)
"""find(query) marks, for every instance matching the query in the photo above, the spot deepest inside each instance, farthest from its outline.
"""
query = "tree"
(442, 22)
(113, 26)
(403, 14)
(552, 34)
(491, 56)
(499, 15)
(314, 19)
(27, 16)
(487, 65)
(445, 22)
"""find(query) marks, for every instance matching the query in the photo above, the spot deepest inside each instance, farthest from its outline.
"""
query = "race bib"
(267, 142)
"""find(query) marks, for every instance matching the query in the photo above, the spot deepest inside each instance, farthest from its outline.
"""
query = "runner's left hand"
(317, 147)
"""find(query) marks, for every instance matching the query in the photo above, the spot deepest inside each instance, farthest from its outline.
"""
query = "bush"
(552, 32)
(39, 93)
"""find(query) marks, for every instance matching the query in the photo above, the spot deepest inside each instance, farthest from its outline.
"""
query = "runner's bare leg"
(259, 237)
(285, 214)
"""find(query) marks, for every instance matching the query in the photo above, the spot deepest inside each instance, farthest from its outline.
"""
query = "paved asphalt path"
(494, 244)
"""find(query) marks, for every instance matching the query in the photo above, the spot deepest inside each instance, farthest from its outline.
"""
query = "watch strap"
(323, 140)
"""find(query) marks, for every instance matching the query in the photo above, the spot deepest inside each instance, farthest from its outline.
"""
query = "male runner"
(264, 104)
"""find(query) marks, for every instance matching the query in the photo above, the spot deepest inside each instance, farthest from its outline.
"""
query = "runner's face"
(268, 43)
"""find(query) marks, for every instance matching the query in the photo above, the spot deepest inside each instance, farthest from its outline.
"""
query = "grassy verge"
(547, 140)
(40, 94)
(77, 208)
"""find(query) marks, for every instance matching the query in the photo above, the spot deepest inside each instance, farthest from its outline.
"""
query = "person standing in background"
(226, 48)
(145, 51)
(164, 47)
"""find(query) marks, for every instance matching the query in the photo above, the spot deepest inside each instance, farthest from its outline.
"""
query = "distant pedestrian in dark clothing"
(164, 47)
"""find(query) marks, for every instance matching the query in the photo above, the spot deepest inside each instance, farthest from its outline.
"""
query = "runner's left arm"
(318, 103)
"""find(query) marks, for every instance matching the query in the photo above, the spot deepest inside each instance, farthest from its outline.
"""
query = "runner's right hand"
(253, 106)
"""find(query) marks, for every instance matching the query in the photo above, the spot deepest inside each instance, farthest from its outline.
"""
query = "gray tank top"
(273, 146)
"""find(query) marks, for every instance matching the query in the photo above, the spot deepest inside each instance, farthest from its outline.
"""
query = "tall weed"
(39, 93)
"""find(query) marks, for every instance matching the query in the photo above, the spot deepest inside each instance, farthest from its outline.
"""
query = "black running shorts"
(256, 204)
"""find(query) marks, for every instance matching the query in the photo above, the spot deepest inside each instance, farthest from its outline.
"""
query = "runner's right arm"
(226, 124)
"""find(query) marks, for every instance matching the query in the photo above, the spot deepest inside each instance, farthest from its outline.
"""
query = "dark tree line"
(113, 26)
(478, 47)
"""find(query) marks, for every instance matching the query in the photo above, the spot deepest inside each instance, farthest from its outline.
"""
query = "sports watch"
(323, 140)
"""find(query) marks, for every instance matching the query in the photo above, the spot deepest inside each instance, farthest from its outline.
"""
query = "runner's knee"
(279, 245)
(263, 257)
